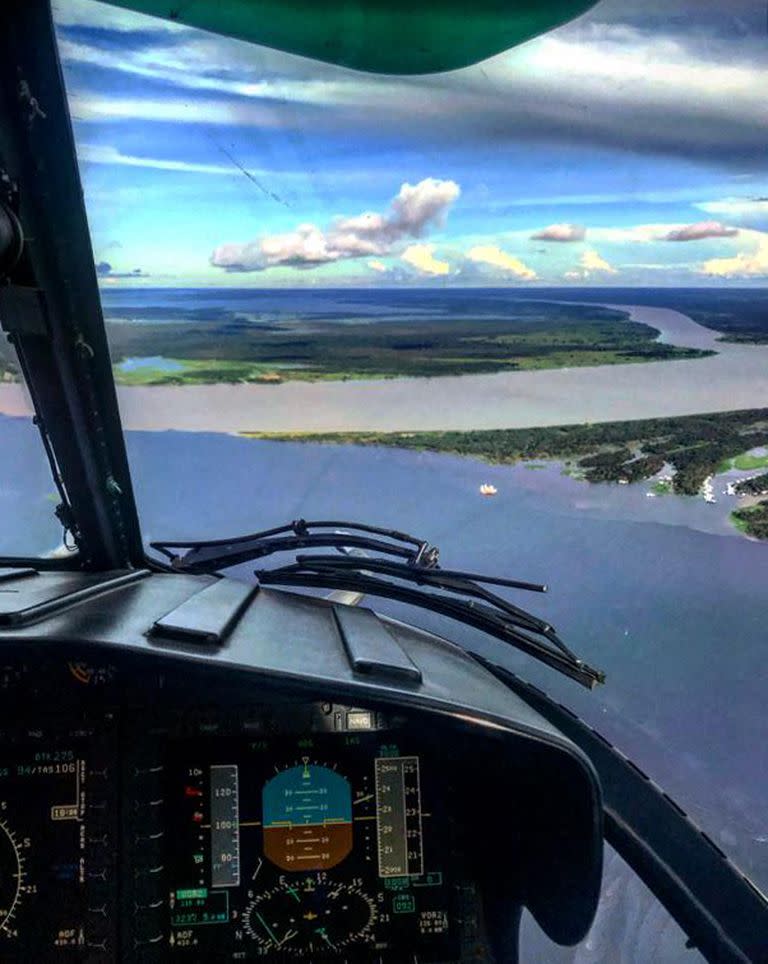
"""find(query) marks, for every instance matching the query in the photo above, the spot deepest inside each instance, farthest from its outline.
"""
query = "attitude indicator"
(307, 818)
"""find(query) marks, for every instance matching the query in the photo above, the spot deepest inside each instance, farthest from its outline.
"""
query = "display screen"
(323, 847)
(56, 846)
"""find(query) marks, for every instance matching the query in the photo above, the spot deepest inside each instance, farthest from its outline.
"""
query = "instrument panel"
(312, 846)
(153, 818)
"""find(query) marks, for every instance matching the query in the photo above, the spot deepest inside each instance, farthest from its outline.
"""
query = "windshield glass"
(517, 309)
(28, 496)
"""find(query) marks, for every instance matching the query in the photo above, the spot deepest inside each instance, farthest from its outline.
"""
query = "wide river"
(737, 377)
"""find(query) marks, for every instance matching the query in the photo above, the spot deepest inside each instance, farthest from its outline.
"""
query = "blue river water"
(660, 593)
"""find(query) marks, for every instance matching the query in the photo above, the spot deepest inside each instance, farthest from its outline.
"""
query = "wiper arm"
(481, 616)
(464, 583)
(213, 554)
(410, 560)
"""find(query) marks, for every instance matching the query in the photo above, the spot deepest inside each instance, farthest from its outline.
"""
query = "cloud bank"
(690, 93)
(413, 212)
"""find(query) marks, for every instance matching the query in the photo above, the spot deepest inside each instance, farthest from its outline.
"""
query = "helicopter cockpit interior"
(198, 766)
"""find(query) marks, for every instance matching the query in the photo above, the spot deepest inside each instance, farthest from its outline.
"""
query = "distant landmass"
(741, 314)
(208, 336)
(413, 339)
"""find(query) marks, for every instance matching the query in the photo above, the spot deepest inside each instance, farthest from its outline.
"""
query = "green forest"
(232, 348)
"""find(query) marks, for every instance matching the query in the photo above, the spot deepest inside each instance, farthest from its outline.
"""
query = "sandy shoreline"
(737, 377)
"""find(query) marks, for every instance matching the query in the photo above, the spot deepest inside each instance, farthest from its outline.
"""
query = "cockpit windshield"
(518, 309)
(29, 526)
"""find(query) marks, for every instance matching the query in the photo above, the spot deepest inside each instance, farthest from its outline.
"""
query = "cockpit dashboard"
(156, 808)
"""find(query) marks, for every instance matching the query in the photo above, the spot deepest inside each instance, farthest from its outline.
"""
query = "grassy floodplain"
(694, 447)
(745, 462)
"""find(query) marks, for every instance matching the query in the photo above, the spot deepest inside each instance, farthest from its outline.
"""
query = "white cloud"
(662, 231)
(745, 264)
(178, 109)
(377, 266)
(592, 261)
(493, 255)
(416, 209)
(425, 204)
(422, 257)
(701, 230)
(561, 232)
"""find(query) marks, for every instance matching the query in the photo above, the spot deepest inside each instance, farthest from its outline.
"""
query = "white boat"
(487, 489)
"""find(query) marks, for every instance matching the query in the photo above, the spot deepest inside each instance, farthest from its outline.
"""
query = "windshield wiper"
(461, 596)
(213, 554)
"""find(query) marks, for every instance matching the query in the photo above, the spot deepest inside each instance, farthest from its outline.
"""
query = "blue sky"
(628, 147)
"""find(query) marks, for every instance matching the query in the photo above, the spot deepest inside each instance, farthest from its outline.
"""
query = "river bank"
(735, 378)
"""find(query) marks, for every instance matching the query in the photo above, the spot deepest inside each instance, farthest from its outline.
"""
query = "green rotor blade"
(379, 36)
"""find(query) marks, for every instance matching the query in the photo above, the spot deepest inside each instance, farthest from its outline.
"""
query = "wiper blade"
(213, 554)
(451, 580)
(402, 557)
(481, 616)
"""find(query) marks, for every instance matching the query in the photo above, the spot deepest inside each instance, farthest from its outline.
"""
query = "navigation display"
(324, 847)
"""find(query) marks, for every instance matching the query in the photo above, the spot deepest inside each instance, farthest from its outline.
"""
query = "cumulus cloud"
(745, 264)
(592, 261)
(701, 230)
(422, 257)
(377, 265)
(561, 232)
(415, 210)
(490, 254)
